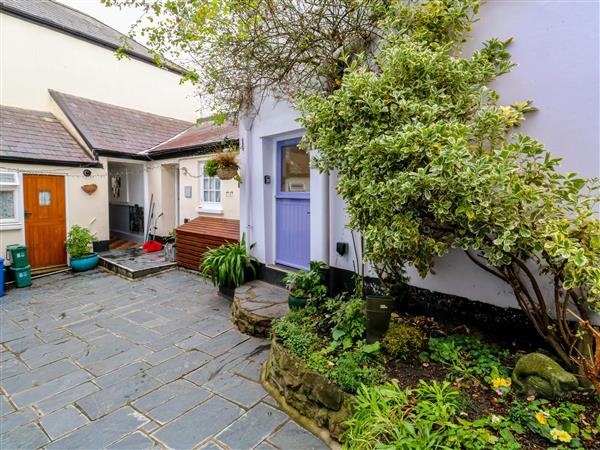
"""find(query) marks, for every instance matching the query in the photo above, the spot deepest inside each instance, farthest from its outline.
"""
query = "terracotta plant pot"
(89, 188)
(226, 173)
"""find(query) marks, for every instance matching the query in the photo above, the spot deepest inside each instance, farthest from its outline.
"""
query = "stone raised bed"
(255, 305)
(309, 397)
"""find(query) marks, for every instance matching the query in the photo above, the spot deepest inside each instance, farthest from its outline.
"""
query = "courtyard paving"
(94, 361)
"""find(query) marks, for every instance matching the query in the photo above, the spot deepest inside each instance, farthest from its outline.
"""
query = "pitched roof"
(76, 23)
(35, 135)
(204, 134)
(110, 128)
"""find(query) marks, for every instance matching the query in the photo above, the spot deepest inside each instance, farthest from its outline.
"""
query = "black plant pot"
(227, 292)
(379, 311)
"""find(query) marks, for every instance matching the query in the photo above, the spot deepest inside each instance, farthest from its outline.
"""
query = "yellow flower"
(560, 435)
(541, 418)
(501, 382)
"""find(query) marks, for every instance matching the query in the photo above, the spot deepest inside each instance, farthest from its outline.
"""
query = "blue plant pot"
(84, 263)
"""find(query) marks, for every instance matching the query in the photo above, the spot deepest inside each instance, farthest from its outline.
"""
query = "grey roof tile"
(39, 135)
(111, 128)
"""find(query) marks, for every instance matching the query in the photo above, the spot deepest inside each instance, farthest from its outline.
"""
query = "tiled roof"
(74, 22)
(27, 134)
(110, 128)
(204, 134)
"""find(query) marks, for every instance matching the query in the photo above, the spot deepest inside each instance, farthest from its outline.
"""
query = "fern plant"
(227, 265)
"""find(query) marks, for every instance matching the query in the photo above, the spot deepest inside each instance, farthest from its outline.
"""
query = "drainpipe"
(246, 123)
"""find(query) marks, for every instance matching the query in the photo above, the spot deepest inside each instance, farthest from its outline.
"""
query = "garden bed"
(424, 383)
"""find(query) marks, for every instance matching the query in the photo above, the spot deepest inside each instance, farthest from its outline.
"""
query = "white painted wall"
(557, 47)
(36, 58)
(90, 211)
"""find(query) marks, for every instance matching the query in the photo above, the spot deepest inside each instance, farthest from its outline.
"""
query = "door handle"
(27, 214)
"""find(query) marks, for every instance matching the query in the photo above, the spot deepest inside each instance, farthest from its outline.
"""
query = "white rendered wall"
(557, 47)
(35, 59)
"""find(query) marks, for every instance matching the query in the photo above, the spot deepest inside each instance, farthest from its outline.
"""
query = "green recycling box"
(22, 276)
(17, 254)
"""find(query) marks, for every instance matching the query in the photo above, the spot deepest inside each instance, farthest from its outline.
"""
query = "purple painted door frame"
(292, 220)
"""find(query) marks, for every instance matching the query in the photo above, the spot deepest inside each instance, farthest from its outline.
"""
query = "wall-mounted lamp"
(341, 248)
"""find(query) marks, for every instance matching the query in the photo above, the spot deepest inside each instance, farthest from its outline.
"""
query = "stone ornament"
(538, 374)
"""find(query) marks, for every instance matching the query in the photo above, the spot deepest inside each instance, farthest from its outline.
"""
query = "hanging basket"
(226, 173)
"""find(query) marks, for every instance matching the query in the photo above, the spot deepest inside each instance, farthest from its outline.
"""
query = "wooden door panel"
(45, 219)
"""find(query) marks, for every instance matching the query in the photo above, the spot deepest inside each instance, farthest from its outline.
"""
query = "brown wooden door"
(45, 220)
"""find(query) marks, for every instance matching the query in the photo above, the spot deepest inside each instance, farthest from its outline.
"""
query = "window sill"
(10, 226)
(209, 211)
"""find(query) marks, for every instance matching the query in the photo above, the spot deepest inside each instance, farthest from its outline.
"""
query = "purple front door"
(292, 218)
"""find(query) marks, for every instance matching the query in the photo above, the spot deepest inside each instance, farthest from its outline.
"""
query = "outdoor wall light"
(341, 248)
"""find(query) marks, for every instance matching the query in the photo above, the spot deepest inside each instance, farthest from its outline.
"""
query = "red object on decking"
(198, 235)
(152, 246)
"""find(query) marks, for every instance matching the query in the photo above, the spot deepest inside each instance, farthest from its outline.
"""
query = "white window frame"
(209, 207)
(16, 187)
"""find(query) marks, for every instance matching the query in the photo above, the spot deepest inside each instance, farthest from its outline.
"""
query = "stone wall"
(321, 403)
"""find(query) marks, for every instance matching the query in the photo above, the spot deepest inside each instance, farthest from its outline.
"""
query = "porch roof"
(27, 135)
(205, 134)
(114, 129)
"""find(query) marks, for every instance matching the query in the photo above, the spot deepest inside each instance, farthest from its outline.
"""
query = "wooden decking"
(200, 234)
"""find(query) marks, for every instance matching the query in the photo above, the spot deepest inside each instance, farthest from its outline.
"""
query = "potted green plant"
(224, 165)
(79, 247)
(305, 284)
(229, 266)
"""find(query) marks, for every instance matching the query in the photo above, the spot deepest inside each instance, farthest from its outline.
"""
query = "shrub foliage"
(428, 160)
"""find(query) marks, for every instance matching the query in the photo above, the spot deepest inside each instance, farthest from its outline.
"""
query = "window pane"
(205, 196)
(217, 183)
(44, 198)
(7, 205)
(218, 196)
(295, 170)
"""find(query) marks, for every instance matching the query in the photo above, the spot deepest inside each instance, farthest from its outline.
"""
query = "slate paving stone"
(103, 367)
(47, 353)
(293, 437)
(5, 406)
(132, 370)
(248, 369)
(27, 437)
(171, 400)
(194, 342)
(180, 365)
(265, 446)
(106, 400)
(62, 421)
(237, 389)
(36, 377)
(119, 351)
(103, 432)
(251, 428)
(16, 419)
(210, 445)
(163, 355)
(65, 398)
(12, 368)
(212, 369)
(135, 441)
(197, 425)
(213, 326)
(51, 388)
(224, 342)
